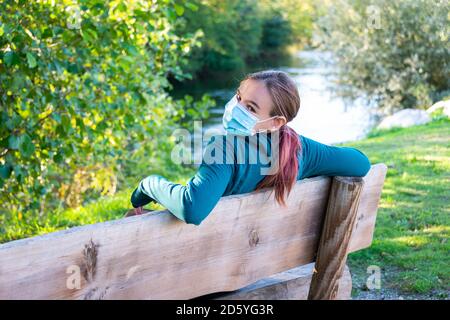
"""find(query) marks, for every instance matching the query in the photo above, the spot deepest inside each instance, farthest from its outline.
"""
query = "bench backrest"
(156, 256)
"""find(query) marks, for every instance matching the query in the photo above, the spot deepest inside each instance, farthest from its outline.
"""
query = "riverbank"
(413, 226)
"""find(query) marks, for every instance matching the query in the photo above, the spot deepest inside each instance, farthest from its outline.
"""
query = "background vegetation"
(393, 53)
(84, 107)
(84, 99)
(241, 33)
(87, 108)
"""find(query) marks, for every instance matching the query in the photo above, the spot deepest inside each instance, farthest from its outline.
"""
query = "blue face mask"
(238, 120)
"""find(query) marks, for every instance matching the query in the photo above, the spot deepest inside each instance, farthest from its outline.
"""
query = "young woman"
(264, 102)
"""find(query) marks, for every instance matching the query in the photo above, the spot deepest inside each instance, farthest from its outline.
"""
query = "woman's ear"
(279, 122)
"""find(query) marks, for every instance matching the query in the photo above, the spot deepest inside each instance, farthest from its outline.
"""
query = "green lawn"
(413, 224)
(411, 239)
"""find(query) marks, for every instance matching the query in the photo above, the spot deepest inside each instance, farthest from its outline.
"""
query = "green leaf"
(14, 142)
(31, 60)
(58, 158)
(191, 6)
(65, 122)
(179, 9)
(26, 148)
(61, 131)
(10, 58)
(5, 171)
(56, 117)
(19, 173)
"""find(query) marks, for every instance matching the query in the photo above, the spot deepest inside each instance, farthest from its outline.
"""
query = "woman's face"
(254, 95)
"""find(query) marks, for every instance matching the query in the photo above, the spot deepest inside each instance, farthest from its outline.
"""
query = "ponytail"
(286, 176)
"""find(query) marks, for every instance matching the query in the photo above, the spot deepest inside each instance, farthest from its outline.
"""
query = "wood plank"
(292, 284)
(156, 256)
(340, 218)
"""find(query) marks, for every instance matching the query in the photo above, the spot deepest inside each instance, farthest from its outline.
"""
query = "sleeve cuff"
(139, 199)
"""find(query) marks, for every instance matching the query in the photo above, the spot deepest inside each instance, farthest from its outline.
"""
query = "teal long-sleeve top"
(194, 201)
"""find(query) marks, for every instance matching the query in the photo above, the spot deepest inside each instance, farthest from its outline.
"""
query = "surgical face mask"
(238, 120)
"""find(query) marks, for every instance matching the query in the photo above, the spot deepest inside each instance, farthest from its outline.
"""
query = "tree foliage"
(394, 53)
(237, 32)
(83, 85)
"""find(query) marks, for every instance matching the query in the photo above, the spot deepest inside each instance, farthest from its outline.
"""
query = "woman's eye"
(249, 107)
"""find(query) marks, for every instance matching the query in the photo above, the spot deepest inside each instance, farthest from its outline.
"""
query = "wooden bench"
(247, 248)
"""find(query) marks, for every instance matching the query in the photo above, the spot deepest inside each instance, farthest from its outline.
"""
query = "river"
(322, 116)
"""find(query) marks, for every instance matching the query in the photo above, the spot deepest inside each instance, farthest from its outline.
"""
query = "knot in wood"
(253, 238)
(90, 260)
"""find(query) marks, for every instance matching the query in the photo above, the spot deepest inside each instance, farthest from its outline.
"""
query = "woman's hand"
(139, 210)
(135, 212)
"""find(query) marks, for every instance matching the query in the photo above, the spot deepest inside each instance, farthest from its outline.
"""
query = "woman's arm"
(323, 159)
(191, 203)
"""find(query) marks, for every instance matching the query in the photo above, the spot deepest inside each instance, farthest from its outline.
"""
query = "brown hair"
(286, 102)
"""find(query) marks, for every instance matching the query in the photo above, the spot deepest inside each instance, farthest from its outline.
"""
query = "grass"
(410, 244)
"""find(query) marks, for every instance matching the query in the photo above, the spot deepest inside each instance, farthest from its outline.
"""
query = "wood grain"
(342, 208)
(157, 256)
(292, 284)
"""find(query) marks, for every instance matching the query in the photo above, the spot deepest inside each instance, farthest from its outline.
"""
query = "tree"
(395, 53)
(82, 85)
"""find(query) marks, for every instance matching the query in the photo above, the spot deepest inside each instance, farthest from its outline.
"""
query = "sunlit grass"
(411, 237)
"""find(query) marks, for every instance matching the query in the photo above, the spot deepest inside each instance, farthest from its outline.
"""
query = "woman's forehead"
(255, 91)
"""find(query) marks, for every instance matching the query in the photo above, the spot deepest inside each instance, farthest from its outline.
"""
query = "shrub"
(81, 86)
(394, 53)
